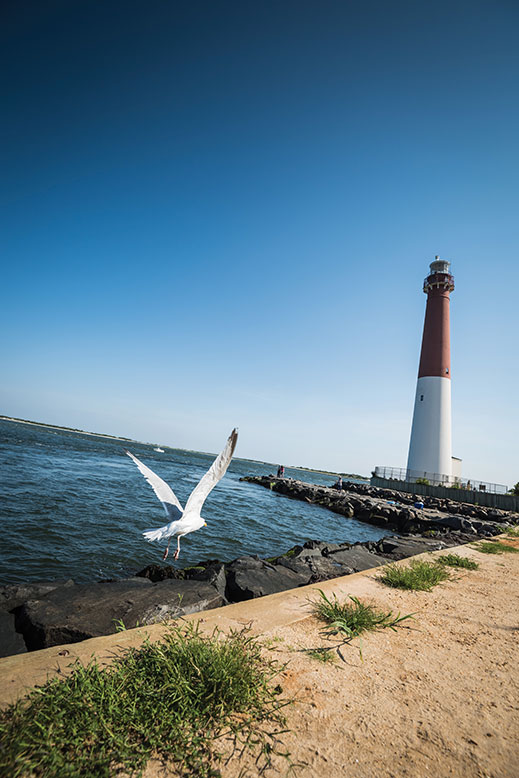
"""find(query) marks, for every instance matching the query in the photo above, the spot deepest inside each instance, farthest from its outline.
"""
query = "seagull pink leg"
(166, 552)
(177, 552)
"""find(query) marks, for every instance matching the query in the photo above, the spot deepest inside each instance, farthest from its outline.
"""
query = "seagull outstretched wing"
(213, 475)
(163, 491)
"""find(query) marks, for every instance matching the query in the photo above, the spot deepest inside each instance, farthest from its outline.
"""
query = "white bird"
(188, 519)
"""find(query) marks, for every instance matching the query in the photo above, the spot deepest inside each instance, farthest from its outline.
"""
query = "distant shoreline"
(65, 429)
(131, 440)
(329, 472)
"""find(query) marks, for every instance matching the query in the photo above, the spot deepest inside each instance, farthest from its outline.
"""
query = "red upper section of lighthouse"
(435, 357)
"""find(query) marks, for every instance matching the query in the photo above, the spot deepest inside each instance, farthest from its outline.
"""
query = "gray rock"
(327, 567)
(485, 528)
(321, 561)
(314, 545)
(356, 558)
(301, 567)
(401, 548)
(14, 595)
(91, 610)
(172, 599)
(317, 548)
(212, 573)
(11, 642)
(157, 573)
(250, 577)
(378, 517)
(133, 581)
(456, 522)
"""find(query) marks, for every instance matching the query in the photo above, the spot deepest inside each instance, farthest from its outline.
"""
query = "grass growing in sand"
(513, 531)
(495, 547)
(353, 617)
(169, 699)
(418, 575)
(454, 560)
(321, 655)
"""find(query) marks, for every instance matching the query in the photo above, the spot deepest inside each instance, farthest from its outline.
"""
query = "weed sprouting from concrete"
(495, 547)
(418, 575)
(454, 560)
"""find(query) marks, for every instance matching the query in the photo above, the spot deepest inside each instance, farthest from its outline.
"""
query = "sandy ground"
(439, 697)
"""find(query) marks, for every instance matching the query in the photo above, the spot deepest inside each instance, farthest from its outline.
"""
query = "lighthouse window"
(446, 369)
(421, 398)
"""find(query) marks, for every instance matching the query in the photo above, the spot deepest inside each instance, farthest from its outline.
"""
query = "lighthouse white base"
(430, 448)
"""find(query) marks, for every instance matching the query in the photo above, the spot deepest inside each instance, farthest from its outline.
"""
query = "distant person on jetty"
(338, 483)
(281, 471)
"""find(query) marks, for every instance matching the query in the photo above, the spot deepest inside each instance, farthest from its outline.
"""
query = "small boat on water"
(160, 450)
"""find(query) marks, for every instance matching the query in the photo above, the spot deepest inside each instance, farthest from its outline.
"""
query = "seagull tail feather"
(154, 534)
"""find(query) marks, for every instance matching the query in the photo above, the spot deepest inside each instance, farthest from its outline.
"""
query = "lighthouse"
(430, 447)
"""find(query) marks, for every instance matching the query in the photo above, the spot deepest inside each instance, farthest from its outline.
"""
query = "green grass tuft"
(323, 655)
(418, 575)
(353, 617)
(454, 560)
(513, 531)
(495, 547)
(169, 699)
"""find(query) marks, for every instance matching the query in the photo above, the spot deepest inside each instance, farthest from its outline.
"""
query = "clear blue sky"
(221, 213)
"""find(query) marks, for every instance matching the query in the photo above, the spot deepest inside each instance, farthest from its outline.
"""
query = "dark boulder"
(251, 577)
(486, 529)
(378, 517)
(356, 558)
(401, 548)
(299, 566)
(458, 523)
(324, 561)
(91, 610)
(346, 509)
(157, 573)
(211, 572)
(501, 516)
(14, 595)
(317, 547)
(11, 642)
(324, 568)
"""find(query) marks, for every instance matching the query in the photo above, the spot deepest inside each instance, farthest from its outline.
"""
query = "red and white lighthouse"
(430, 448)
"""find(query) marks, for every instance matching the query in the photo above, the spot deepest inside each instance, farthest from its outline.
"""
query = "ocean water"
(74, 506)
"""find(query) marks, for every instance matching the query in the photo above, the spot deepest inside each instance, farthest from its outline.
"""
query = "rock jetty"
(392, 509)
(44, 614)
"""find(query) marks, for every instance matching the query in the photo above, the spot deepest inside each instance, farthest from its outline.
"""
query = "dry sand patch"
(438, 697)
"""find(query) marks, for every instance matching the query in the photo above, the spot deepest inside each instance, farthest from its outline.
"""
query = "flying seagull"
(188, 519)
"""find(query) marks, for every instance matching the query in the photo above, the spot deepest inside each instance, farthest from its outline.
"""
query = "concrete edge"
(21, 672)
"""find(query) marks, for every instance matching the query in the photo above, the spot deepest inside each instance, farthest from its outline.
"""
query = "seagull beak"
(205, 524)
